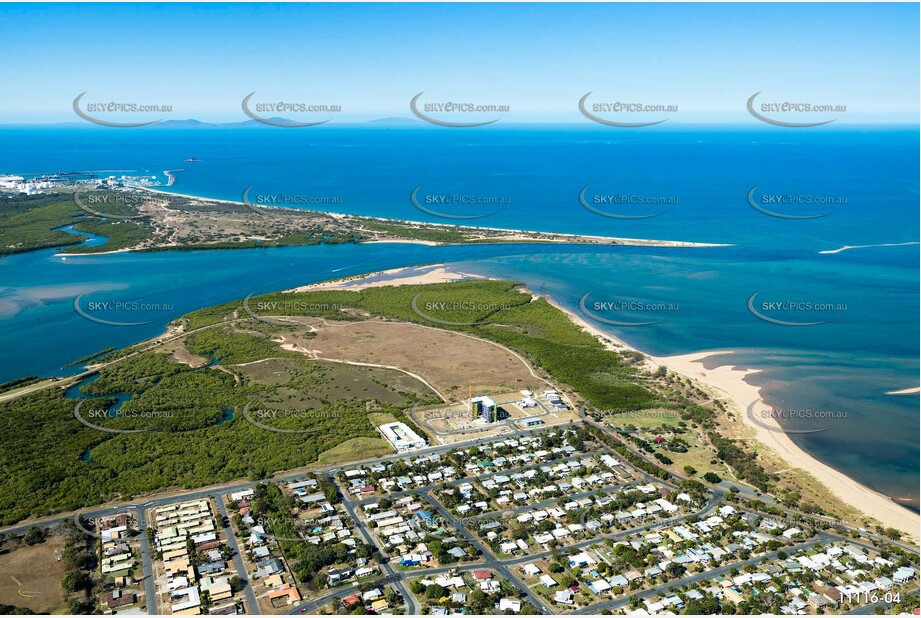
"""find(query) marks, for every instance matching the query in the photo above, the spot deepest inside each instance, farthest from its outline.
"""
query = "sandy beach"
(412, 275)
(728, 382)
(507, 235)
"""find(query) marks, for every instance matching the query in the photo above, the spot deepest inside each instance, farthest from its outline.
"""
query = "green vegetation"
(712, 477)
(316, 237)
(193, 428)
(80, 560)
(29, 222)
(498, 312)
(429, 234)
(13, 610)
(743, 462)
(19, 383)
(121, 234)
(634, 459)
(356, 448)
(88, 357)
(306, 560)
(187, 439)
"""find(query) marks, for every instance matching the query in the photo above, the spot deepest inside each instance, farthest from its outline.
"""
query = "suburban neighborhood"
(547, 521)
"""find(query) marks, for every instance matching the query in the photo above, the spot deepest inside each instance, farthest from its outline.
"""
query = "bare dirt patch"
(30, 576)
(450, 362)
(180, 353)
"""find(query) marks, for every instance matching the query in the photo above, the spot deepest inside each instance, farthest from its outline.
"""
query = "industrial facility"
(401, 437)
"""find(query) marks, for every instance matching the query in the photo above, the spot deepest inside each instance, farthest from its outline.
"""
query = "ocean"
(832, 332)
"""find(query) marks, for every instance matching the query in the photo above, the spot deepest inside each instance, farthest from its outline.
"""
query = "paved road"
(470, 479)
(311, 607)
(697, 578)
(216, 491)
(251, 602)
(491, 562)
(552, 502)
(411, 607)
(765, 498)
(397, 578)
(150, 589)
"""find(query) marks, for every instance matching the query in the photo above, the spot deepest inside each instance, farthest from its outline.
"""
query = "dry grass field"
(30, 576)
(450, 362)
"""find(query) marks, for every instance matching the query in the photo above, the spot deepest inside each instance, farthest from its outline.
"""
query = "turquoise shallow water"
(867, 346)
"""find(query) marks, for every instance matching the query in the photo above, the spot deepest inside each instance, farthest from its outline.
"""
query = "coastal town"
(542, 521)
(503, 502)
(470, 309)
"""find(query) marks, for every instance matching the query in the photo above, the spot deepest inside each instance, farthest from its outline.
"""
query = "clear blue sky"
(537, 58)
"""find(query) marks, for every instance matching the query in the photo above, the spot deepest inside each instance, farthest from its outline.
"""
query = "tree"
(478, 601)
(712, 477)
(34, 536)
(690, 470)
(76, 580)
(236, 584)
(434, 591)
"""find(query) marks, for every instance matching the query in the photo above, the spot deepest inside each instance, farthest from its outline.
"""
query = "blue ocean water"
(697, 180)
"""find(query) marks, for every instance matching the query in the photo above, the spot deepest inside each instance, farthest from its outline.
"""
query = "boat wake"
(847, 247)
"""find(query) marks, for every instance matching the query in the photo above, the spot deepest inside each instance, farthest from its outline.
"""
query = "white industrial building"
(402, 437)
